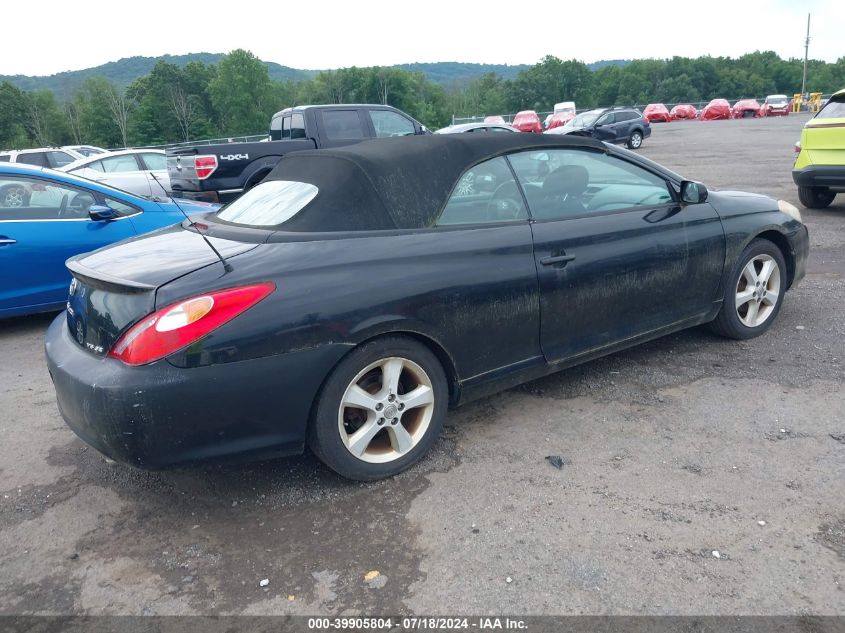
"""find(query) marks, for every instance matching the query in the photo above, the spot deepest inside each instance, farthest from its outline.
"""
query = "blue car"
(47, 216)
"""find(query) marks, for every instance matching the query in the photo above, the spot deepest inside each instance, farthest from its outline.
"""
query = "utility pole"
(806, 50)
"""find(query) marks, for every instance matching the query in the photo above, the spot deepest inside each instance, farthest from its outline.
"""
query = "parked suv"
(613, 125)
(819, 169)
(52, 157)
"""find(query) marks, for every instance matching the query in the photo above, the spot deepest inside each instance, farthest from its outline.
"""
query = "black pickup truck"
(220, 173)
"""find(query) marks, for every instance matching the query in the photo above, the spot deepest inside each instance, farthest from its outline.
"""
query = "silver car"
(139, 171)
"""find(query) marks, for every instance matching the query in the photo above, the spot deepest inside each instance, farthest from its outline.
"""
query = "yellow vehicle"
(819, 169)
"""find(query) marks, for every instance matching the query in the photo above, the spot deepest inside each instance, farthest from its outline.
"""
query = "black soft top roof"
(396, 183)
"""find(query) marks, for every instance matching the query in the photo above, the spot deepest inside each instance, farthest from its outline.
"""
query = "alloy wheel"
(386, 410)
(757, 290)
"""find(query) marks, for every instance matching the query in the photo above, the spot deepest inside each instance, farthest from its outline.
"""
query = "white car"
(139, 171)
(52, 157)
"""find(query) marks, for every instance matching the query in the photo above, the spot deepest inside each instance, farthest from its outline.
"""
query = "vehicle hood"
(153, 259)
(729, 203)
(566, 129)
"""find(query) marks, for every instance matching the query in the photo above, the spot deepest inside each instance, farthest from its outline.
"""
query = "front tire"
(381, 409)
(635, 140)
(815, 197)
(753, 293)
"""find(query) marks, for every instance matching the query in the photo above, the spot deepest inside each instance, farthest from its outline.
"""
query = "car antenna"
(227, 267)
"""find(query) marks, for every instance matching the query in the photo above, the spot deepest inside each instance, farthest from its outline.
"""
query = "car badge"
(80, 335)
(73, 285)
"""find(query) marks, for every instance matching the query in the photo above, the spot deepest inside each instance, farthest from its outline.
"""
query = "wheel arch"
(778, 239)
(433, 345)
(256, 171)
(393, 329)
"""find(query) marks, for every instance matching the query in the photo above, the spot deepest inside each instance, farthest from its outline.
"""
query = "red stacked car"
(527, 121)
(559, 119)
(716, 109)
(494, 118)
(745, 109)
(683, 111)
(656, 112)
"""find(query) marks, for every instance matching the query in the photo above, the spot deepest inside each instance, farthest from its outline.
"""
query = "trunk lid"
(114, 287)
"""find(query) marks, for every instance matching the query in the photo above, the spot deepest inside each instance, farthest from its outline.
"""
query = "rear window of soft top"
(269, 203)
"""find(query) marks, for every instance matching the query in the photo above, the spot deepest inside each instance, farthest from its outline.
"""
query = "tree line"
(237, 97)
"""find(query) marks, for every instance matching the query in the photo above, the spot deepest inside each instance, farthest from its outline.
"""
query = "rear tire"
(381, 409)
(815, 197)
(753, 292)
(635, 141)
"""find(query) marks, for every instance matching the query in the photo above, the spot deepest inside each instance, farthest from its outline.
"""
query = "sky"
(332, 34)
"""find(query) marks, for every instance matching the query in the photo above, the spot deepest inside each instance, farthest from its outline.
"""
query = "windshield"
(778, 99)
(585, 119)
(833, 110)
(269, 203)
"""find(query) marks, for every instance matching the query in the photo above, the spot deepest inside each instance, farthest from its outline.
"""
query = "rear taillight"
(180, 324)
(797, 147)
(205, 165)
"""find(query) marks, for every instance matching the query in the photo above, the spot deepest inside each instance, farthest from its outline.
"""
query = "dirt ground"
(701, 476)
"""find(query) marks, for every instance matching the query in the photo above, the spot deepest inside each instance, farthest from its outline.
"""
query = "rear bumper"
(820, 176)
(159, 416)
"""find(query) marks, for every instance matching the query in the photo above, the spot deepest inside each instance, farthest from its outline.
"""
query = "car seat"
(563, 190)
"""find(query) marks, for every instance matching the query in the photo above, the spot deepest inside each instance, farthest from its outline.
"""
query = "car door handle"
(556, 259)
(7, 240)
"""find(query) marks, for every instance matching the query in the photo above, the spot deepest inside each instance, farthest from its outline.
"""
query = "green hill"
(124, 71)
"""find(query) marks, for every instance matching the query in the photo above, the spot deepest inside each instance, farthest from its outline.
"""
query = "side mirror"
(101, 212)
(693, 192)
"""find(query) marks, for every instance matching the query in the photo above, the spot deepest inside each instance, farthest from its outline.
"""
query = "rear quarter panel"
(473, 292)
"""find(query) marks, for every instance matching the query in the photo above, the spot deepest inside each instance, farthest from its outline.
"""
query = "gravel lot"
(679, 450)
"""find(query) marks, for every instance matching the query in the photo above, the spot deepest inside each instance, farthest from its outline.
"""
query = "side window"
(119, 164)
(122, 208)
(286, 127)
(572, 182)
(36, 199)
(97, 165)
(297, 126)
(387, 123)
(33, 158)
(5, 158)
(342, 124)
(606, 119)
(59, 159)
(275, 128)
(485, 193)
(154, 161)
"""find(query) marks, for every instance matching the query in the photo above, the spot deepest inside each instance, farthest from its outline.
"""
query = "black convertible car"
(355, 295)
